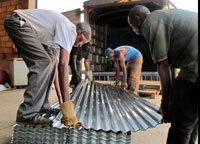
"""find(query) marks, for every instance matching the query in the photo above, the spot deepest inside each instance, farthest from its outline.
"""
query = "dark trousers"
(184, 113)
(74, 83)
(41, 65)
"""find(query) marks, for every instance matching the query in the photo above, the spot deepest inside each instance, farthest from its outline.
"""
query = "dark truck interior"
(117, 32)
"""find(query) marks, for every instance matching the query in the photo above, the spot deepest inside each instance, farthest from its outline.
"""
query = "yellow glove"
(117, 83)
(69, 117)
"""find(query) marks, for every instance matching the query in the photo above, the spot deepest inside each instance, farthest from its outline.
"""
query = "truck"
(108, 20)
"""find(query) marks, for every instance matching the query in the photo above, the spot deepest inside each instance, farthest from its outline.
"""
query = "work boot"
(69, 117)
(37, 120)
(50, 111)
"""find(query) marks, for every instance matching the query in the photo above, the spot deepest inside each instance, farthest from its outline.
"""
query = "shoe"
(50, 111)
(36, 120)
(72, 85)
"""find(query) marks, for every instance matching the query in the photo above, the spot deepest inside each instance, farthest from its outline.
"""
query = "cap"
(108, 51)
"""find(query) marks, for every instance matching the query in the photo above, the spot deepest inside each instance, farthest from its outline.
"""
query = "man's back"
(50, 26)
(172, 34)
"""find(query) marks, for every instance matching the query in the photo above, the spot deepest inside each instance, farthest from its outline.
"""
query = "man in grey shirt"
(44, 39)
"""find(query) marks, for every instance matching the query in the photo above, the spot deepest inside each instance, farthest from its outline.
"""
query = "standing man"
(32, 31)
(172, 37)
(76, 55)
(135, 60)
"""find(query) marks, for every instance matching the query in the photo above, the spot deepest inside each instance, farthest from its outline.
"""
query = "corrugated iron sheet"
(26, 134)
(108, 115)
(104, 107)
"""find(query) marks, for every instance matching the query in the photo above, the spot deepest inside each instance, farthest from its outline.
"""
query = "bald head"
(137, 16)
(140, 11)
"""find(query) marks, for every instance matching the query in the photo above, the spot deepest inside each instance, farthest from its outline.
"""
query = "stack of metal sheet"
(108, 115)
(26, 134)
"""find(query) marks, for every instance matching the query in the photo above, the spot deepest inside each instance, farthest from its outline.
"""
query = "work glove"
(117, 83)
(69, 117)
(89, 75)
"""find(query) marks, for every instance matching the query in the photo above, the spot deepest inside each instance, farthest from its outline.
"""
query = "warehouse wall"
(7, 49)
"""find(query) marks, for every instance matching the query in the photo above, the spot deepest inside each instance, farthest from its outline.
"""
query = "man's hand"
(125, 85)
(89, 75)
(165, 111)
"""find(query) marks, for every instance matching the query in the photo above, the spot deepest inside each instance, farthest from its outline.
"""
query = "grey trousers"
(184, 113)
(40, 62)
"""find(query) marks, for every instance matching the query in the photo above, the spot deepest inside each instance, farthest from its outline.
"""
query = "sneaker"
(50, 111)
(36, 120)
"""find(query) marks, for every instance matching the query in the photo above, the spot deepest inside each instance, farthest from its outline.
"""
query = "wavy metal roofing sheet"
(108, 114)
(104, 107)
(26, 134)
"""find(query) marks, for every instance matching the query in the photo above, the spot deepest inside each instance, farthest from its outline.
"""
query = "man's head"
(136, 17)
(84, 34)
(108, 53)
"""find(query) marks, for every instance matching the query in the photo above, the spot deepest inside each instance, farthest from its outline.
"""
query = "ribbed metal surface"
(108, 115)
(104, 107)
(50, 135)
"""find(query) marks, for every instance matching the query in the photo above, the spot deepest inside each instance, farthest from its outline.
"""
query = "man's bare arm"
(87, 64)
(123, 66)
(164, 73)
(57, 86)
(116, 64)
(63, 73)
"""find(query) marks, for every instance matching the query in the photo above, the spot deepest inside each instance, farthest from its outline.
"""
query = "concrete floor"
(11, 99)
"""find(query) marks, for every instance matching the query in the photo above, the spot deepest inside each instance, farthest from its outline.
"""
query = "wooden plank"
(150, 92)
(105, 82)
(148, 82)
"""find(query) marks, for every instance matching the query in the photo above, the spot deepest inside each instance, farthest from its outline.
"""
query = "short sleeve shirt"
(50, 26)
(83, 52)
(172, 34)
(131, 54)
(80, 52)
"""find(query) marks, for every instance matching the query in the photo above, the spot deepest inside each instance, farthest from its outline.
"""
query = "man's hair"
(85, 28)
(138, 10)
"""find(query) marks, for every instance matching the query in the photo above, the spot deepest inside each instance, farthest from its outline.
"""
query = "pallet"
(148, 84)
(149, 92)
